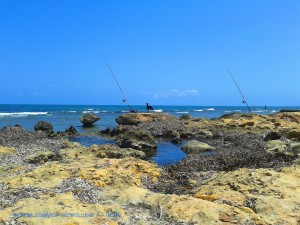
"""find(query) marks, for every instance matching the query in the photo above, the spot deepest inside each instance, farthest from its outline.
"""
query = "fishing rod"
(244, 100)
(123, 95)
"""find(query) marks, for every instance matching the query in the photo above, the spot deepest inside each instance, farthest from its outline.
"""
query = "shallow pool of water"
(167, 153)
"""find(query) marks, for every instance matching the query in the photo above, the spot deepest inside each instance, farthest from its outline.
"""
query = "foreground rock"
(89, 119)
(197, 147)
(114, 191)
(243, 184)
(271, 195)
(20, 143)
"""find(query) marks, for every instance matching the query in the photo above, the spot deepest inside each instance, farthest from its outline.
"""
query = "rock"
(71, 131)
(268, 193)
(137, 118)
(43, 126)
(113, 151)
(107, 131)
(289, 110)
(204, 133)
(185, 117)
(39, 157)
(88, 119)
(107, 187)
(272, 136)
(7, 150)
(278, 147)
(294, 135)
(224, 217)
(176, 141)
(137, 139)
(295, 148)
(196, 147)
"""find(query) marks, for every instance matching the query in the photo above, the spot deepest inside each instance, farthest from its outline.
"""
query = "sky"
(165, 52)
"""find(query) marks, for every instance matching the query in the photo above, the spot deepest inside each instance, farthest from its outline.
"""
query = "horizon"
(241, 106)
(161, 52)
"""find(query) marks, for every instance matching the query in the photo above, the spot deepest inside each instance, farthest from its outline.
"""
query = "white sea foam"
(228, 111)
(210, 109)
(124, 111)
(198, 110)
(182, 112)
(90, 111)
(158, 110)
(274, 111)
(20, 114)
(238, 110)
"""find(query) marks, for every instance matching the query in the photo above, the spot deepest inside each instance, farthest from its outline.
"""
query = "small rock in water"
(71, 131)
(88, 119)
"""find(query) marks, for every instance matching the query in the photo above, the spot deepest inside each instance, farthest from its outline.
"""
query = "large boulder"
(43, 126)
(137, 139)
(88, 119)
(137, 118)
(196, 147)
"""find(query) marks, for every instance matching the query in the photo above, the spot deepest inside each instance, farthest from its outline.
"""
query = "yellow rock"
(7, 150)
(61, 209)
(274, 196)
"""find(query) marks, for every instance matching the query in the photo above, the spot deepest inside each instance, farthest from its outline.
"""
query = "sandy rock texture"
(247, 182)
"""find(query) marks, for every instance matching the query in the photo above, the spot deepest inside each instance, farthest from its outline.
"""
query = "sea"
(64, 116)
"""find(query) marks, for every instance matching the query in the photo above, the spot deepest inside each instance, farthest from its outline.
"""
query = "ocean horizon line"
(45, 104)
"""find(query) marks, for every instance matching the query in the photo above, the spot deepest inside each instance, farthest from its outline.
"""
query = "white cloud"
(176, 93)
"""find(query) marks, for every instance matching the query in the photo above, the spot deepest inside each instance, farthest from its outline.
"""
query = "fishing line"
(244, 100)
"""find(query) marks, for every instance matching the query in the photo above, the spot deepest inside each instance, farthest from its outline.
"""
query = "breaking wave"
(20, 114)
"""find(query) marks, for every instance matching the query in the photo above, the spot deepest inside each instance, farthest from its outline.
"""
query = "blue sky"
(162, 51)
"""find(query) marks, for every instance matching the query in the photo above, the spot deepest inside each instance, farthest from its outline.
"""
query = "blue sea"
(64, 116)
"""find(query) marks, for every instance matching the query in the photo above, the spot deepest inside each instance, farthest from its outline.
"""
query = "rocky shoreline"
(253, 177)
